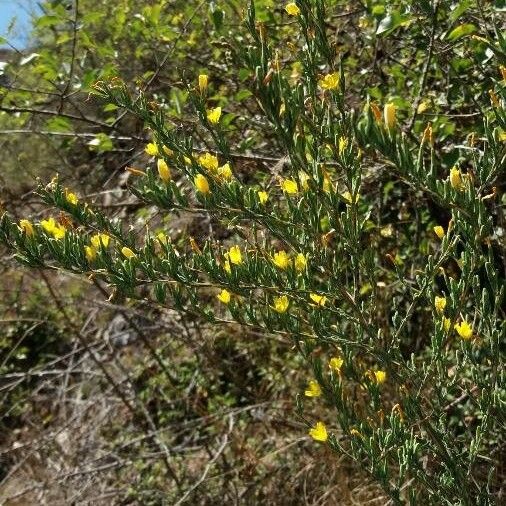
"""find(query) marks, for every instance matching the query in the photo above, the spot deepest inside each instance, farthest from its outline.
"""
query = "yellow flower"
(151, 149)
(300, 262)
(446, 323)
(439, 231)
(380, 377)
(343, 143)
(163, 170)
(71, 197)
(502, 70)
(290, 186)
(162, 237)
(100, 240)
(336, 363)
(227, 268)
(389, 115)
(127, 252)
(313, 389)
(281, 304)
(330, 81)
(320, 300)
(224, 296)
(167, 151)
(440, 304)
(27, 227)
(203, 82)
(349, 197)
(201, 183)
(263, 197)
(355, 432)
(234, 255)
(456, 179)
(209, 162)
(281, 259)
(53, 228)
(59, 232)
(376, 112)
(225, 172)
(464, 330)
(90, 252)
(319, 432)
(214, 115)
(292, 9)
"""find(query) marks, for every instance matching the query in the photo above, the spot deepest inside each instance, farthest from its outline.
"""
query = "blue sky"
(20, 9)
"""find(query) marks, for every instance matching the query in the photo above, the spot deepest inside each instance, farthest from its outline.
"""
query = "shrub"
(373, 246)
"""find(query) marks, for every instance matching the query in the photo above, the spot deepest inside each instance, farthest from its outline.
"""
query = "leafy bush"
(374, 244)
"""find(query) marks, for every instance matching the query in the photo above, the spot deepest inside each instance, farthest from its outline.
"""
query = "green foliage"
(368, 237)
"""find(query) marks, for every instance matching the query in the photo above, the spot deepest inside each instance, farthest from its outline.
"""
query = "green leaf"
(47, 21)
(242, 95)
(461, 31)
(102, 142)
(391, 22)
(459, 10)
(58, 124)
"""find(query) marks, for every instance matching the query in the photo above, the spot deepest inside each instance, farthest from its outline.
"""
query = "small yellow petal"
(281, 259)
(330, 81)
(225, 172)
(336, 363)
(209, 162)
(234, 255)
(319, 432)
(440, 304)
(313, 389)
(456, 179)
(290, 186)
(100, 240)
(201, 183)
(281, 304)
(300, 262)
(203, 82)
(71, 197)
(380, 377)
(319, 300)
(389, 115)
(439, 231)
(214, 115)
(163, 170)
(292, 9)
(263, 197)
(127, 252)
(464, 330)
(349, 197)
(27, 227)
(90, 252)
(224, 296)
(151, 149)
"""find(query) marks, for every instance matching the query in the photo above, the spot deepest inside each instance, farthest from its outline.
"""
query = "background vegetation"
(110, 398)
